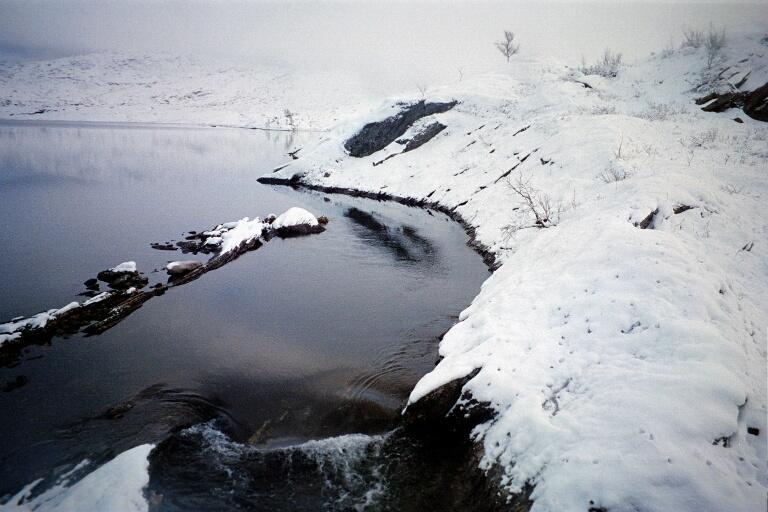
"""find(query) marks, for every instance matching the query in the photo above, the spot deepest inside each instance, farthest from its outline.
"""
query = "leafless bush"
(599, 110)
(714, 43)
(541, 210)
(608, 66)
(507, 47)
(289, 117)
(659, 111)
(614, 173)
(692, 38)
(668, 51)
(702, 139)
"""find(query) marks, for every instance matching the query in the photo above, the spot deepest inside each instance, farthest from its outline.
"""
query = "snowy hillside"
(118, 87)
(622, 341)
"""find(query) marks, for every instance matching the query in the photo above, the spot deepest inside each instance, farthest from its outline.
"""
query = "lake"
(304, 339)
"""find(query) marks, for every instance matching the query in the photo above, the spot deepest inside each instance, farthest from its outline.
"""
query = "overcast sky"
(425, 40)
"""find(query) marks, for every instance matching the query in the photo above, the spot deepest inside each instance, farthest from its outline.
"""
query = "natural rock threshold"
(103, 310)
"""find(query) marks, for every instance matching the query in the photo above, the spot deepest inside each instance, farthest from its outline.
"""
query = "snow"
(13, 330)
(617, 359)
(132, 87)
(117, 485)
(97, 298)
(244, 231)
(124, 267)
(294, 217)
(181, 267)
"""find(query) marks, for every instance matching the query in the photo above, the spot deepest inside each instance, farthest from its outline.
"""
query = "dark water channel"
(271, 382)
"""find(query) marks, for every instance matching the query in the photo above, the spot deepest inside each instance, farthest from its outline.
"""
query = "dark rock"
(738, 120)
(167, 246)
(424, 136)
(377, 135)
(754, 103)
(92, 284)
(753, 430)
(298, 230)
(322, 219)
(682, 208)
(124, 280)
(447, 410)
(647, 222)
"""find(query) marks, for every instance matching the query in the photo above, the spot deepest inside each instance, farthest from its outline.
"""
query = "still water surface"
(302, 339)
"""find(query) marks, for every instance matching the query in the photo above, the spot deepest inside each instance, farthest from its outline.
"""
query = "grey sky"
(425, 41)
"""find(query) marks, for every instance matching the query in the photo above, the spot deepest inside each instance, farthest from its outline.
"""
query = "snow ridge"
(622, 343)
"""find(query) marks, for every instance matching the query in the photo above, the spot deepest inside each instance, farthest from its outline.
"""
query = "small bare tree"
(714, 42)
(545, 211)
(507, 47)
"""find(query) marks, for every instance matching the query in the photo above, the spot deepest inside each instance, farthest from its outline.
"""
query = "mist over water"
(392, 46)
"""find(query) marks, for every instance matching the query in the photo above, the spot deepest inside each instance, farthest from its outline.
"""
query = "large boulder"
(376, 136)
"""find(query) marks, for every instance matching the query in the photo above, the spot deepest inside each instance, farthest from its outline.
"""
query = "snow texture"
(625, 365)
(116, 486)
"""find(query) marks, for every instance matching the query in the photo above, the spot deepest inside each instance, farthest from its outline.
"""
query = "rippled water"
(303, 339)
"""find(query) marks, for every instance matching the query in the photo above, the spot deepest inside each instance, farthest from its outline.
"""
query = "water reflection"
(402, 241)
(303, 338)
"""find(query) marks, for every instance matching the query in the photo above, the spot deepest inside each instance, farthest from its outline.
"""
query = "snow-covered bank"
(115, 87)
(118, 485)
(622, 341)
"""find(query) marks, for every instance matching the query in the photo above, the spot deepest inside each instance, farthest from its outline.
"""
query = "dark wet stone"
(424, 136)
(92, 284)
(123, 280)
(377, 135)
(447, 410)
(298, 230)
(167, 246)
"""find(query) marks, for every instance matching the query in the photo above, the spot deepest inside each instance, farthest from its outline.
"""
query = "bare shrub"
(659, 111)
(668, 51)
(692, 38)
(608, 66)
(714, 42)
(507, 47)
(541, 210)
(614, 173)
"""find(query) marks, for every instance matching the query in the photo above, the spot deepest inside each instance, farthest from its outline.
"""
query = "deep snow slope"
(118, 87)
(624, 346)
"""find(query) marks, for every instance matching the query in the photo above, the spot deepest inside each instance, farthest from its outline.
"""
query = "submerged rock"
(177, 268)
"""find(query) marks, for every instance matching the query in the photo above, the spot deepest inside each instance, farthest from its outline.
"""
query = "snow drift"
(621, 343)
